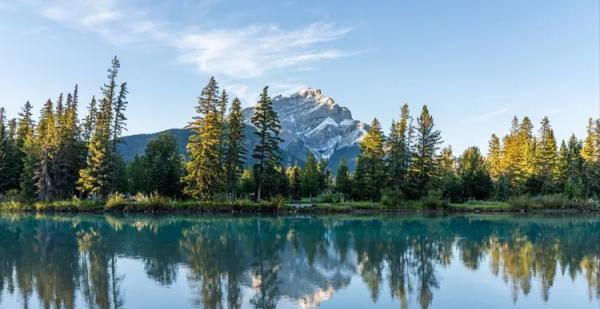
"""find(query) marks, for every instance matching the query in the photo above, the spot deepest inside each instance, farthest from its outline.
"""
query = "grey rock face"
(316, 122)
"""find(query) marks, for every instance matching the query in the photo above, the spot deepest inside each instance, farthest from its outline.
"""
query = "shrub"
(277, 202)
(434, 200)
(522, 202)
(392, 197)
(116, 200)
(330, 198)
(152, 201)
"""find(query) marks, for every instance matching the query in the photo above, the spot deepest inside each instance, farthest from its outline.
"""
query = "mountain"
(310, 122)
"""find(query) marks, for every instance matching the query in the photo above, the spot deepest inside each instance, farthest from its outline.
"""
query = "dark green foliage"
(474, 177)
(422, 171)
(343, 180)
(370, 167)
(234, 160)
(158, 170)
(266, 151)
(311, 186)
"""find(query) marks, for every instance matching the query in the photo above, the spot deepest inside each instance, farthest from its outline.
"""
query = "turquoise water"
(483, 261)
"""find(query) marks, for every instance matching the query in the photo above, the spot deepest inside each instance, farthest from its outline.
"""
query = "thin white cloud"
(493, 114)
(238, 53)
(253, 51)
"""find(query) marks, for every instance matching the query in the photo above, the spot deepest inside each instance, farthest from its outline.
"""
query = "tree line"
(61, 156)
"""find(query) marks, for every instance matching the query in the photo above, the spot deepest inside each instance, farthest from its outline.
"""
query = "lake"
(388, 261)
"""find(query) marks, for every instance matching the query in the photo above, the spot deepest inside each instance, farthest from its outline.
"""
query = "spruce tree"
(202, 178)
(424, 166)
(370, 163)
(97, 179)
(574, 186)
(398, 150)
(234, 162)
(494, 160)
(343, 180)
(162, 166)
(119, 119)
(310, 177)
(4, 153)
(46, 139)
(475, 180)
(588, 148)
(561, 168)
(295, 180)
(14, 156)
(266, 151)
(545, 157)
(89, 122)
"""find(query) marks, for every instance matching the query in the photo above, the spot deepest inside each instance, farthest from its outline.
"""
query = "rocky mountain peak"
(313, 122)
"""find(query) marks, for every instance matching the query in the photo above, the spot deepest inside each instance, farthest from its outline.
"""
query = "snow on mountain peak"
(316, 122)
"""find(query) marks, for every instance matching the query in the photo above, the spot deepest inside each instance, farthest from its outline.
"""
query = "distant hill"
(310, 122)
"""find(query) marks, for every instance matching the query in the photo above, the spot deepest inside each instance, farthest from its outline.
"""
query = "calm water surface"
(487, 261)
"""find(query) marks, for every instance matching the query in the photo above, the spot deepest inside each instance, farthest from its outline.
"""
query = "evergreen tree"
(370, 169)
(137, 176)
(247, 184)
(423, 166)
(119, 119)
(162, 166)
(343, 180)
(4, 152)
(324, 175)
(449, 180)
(545, 157)
(46, 138)
(222, 127)
(97, 179)
(234, 161)
(266, 151)
(203, 168)
(475, 180)
(398, 150)
(494, 161)
(588, 148)
(561, 168)
(310, 177)
(295, 180)
(574, 186)
(14, 156)
(69, 151)
(89, 123)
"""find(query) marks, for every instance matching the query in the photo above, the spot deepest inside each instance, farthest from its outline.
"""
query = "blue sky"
(474, 63)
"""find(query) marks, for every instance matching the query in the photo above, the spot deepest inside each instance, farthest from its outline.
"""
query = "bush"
(277, 202)
(434, 200)
(116, 200)
(552, 201)
(152, 201)
(392, 197)
(330, 198)
(522, 202)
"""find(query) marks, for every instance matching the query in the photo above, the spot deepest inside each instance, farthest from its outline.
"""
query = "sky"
(476, 64)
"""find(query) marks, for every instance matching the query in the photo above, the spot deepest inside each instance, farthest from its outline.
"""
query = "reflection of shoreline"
(302, 260)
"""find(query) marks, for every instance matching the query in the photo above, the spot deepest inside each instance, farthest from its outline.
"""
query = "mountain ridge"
(310, 122)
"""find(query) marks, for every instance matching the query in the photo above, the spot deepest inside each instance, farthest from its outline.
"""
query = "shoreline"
(314, 209)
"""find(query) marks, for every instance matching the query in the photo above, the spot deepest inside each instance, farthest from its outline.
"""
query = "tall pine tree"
(203, 168)
(423, 167)
(234, 161)
(266, 151)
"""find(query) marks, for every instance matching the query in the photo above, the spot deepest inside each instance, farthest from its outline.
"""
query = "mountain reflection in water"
(94, 261)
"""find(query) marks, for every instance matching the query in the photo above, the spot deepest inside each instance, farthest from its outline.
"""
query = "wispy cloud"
(493, 114)
(255, 50)
(236, 53)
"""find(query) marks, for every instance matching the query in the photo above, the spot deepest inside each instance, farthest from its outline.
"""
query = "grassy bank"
(156, 203)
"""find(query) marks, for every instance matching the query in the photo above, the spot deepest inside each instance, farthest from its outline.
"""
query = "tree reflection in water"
(260, 262)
